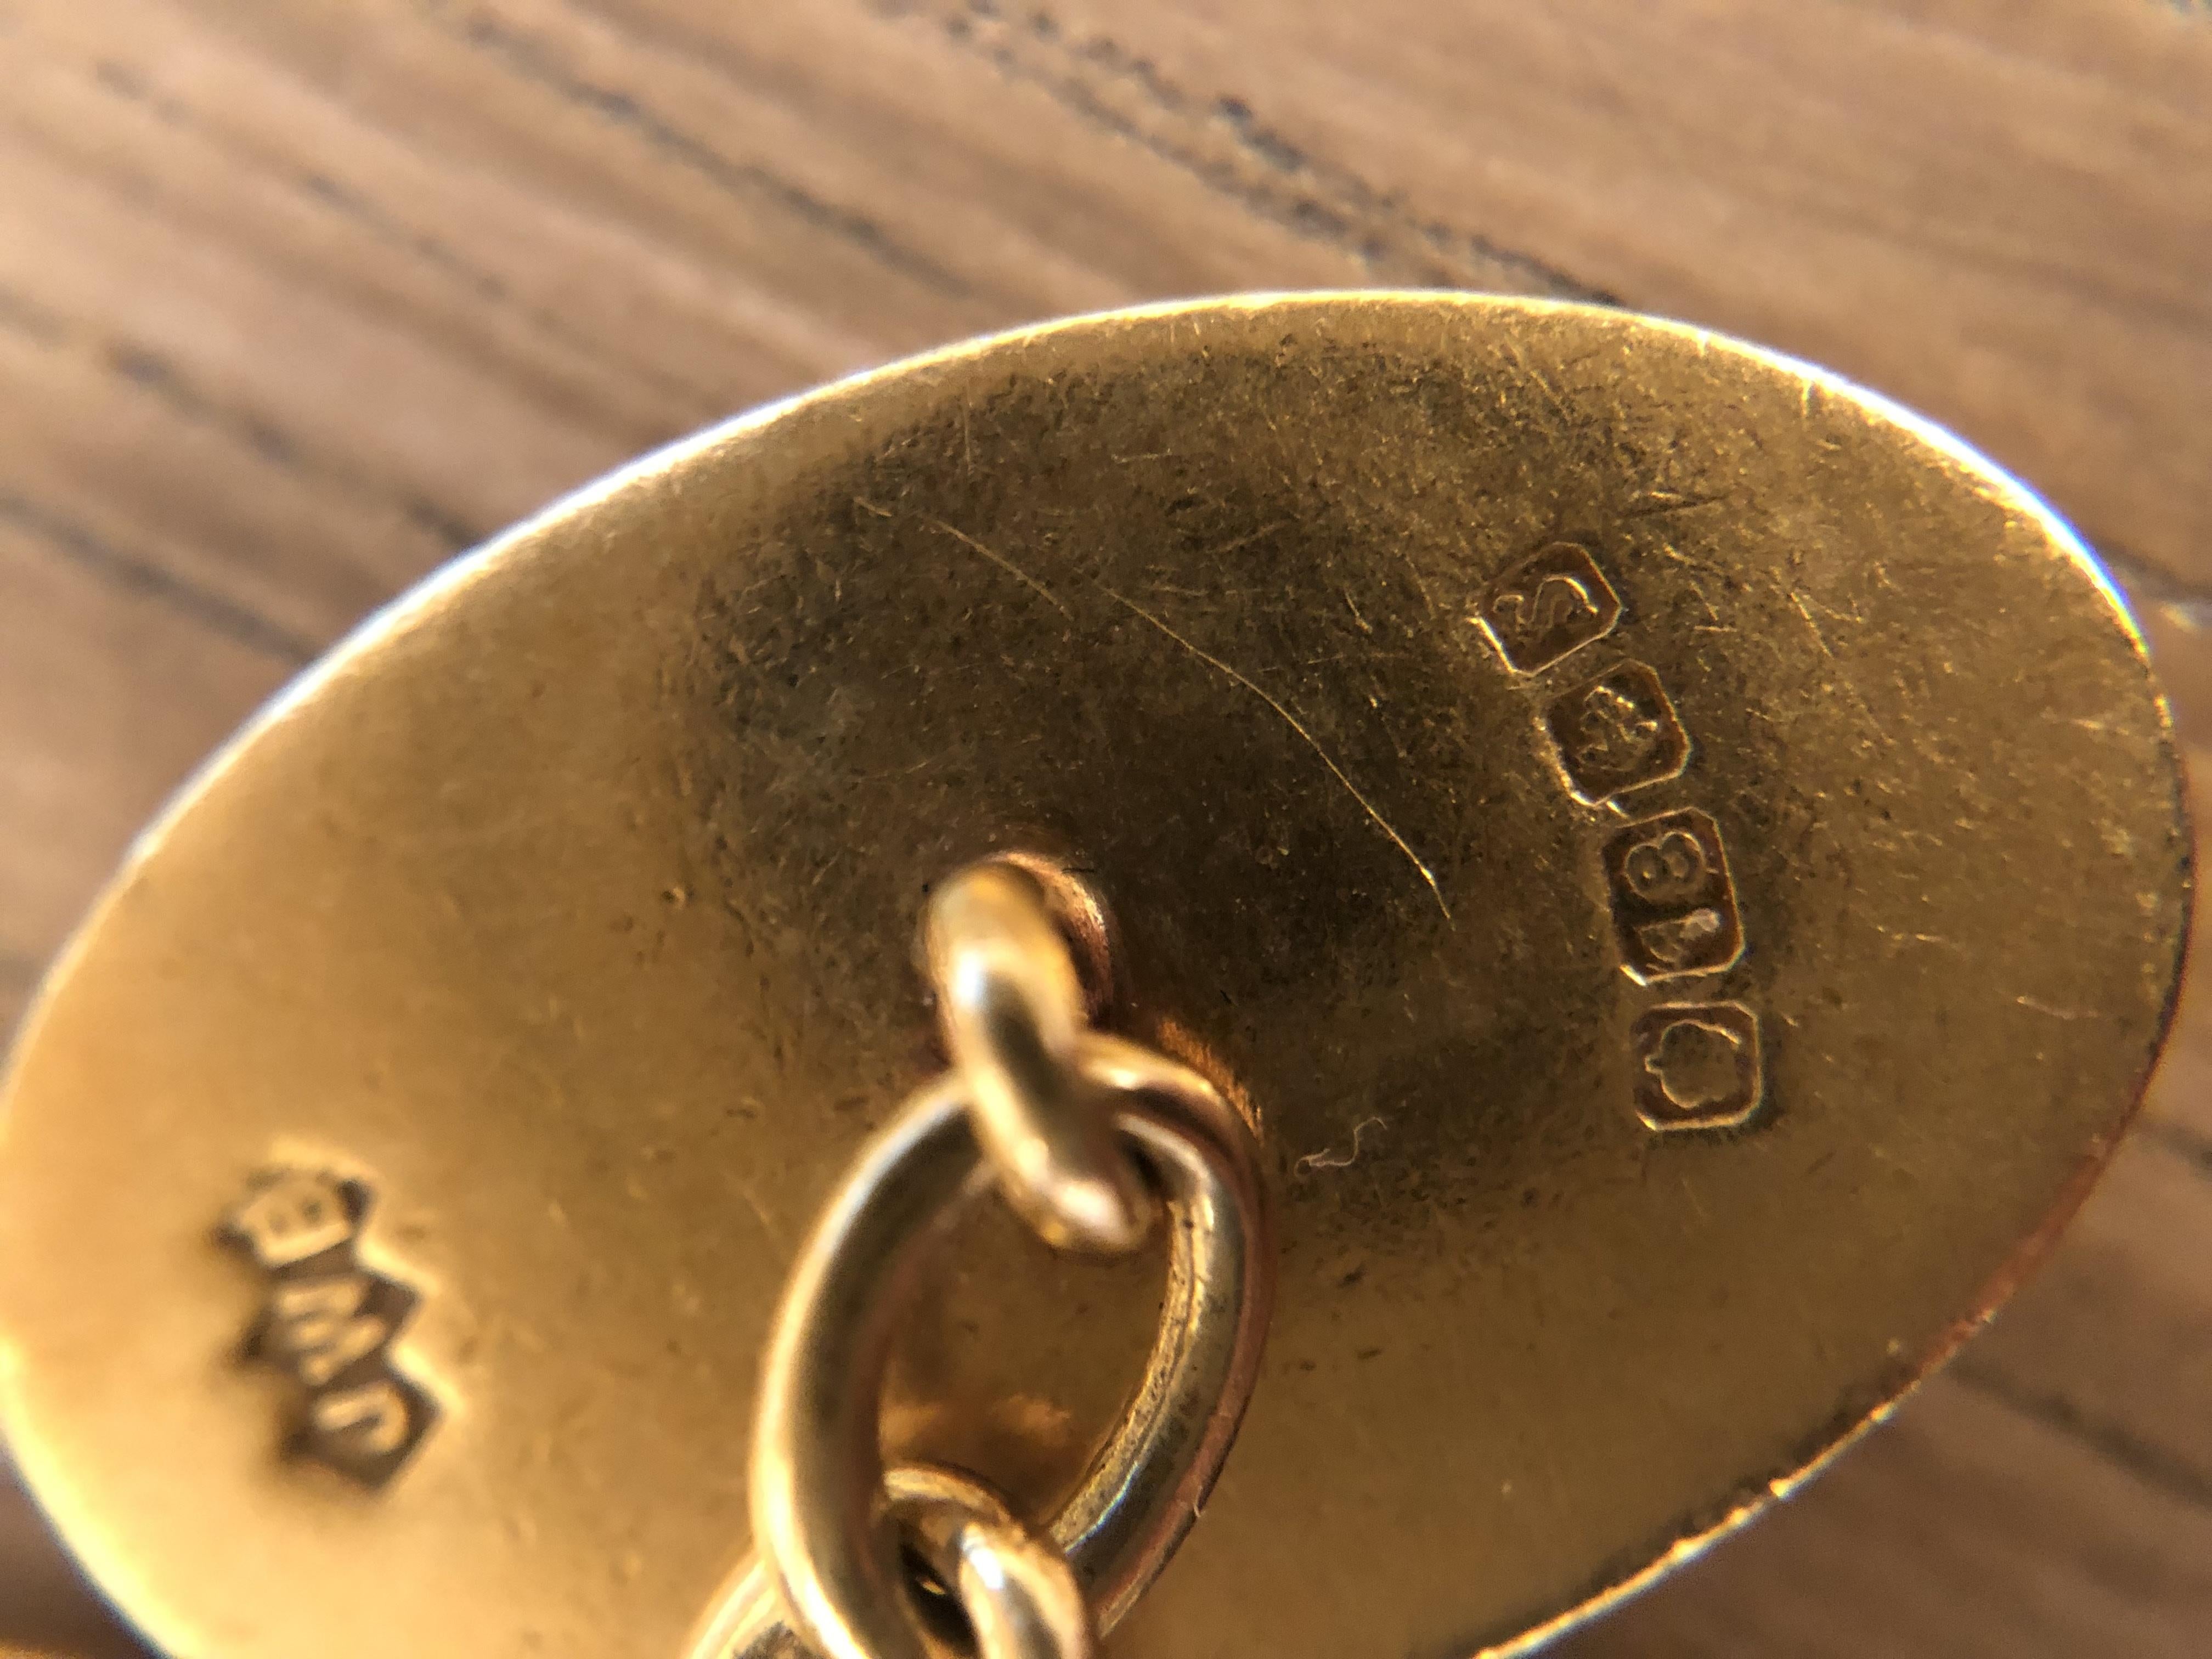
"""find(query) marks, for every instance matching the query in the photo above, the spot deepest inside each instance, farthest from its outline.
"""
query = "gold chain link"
(1087, 1136)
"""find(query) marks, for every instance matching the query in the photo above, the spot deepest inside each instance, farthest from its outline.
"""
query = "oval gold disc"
(1682, 861)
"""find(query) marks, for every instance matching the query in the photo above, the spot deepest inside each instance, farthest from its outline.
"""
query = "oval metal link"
(818, 1468)
(1015, 1586)
(1012, 1007)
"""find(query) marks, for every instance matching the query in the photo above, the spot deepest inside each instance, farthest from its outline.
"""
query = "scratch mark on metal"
(1293, 722)
(1224, 550)
(1003, 563)
(1844, 680)
(1658, 502)
(1541, 382)
(1806, 611)
(1420, 584)
(1675, 555)
(1691, 1193)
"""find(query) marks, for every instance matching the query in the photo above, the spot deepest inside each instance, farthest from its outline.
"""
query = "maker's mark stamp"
(1553, 602)
(1673, 905)
(1616, 733)
(1698, 1066)
(331, 1321)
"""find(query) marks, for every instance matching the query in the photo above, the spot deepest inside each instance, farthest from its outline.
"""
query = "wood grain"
(299, 297)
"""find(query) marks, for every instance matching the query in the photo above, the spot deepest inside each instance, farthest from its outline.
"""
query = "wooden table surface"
(299, 297)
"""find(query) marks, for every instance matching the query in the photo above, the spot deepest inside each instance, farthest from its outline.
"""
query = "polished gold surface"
(1688, 860)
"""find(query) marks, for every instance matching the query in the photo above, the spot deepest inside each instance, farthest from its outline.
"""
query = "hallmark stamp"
(1698, 1066)
(1616, 733)
(1673, 903)
(1553, 602)
(329, 1321)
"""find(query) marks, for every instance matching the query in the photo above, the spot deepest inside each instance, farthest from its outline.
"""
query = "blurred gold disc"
(1684, 861)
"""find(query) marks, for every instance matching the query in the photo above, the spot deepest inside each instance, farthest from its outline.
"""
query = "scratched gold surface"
(571, 906)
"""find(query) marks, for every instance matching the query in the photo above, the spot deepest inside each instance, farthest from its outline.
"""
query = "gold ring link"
(829, 1559)
(1014, 1586)
(1012, 1007)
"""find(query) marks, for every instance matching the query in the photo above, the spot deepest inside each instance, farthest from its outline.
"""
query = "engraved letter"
(317, 1324)
(368, 1430)
(374, 1417)
(1553, 602)
(293, 1214)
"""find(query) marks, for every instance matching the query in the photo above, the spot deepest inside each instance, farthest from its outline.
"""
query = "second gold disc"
(1683, 863)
